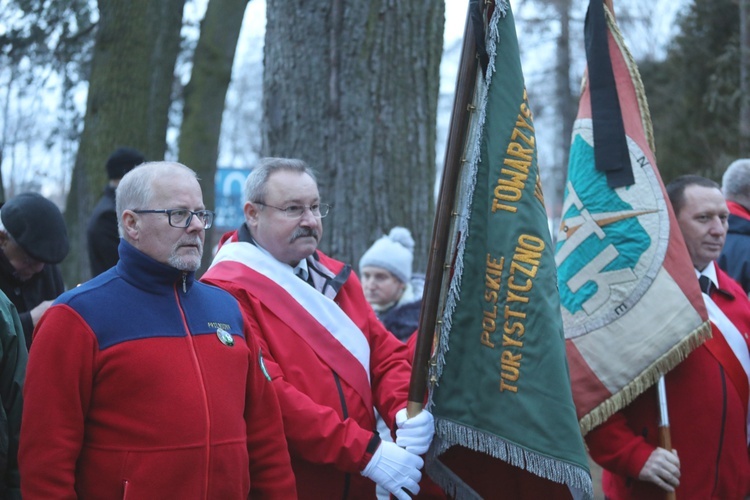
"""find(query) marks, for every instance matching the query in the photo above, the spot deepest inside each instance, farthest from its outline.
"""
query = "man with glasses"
(145, 383)
(329, 357)
(33, 240)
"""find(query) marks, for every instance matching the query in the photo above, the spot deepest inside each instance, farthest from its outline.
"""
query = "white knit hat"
(393, 253)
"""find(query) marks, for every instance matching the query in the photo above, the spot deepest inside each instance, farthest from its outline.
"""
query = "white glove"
(394, 468)
(415, 434)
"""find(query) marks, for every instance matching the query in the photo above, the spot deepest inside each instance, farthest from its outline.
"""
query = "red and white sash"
(317, 319)
(735, 359)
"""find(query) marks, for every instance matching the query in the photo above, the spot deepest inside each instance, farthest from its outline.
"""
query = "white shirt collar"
(710, 273)
(302, 270)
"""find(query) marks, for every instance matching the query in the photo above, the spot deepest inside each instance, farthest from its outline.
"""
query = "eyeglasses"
(181, 217)
(296, 211)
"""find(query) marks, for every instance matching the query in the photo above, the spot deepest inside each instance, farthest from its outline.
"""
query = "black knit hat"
(37, 225)
(122, 161)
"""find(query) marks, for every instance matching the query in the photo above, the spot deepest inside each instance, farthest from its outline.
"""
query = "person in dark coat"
(33, 240)
(101, 234)
(735, 257)
(393, 292)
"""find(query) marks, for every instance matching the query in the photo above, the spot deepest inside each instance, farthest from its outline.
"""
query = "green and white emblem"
(612, 242)
(225, 337)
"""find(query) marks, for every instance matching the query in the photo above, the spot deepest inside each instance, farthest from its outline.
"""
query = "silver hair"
(255, 184)
(735, 184)
(135, 189)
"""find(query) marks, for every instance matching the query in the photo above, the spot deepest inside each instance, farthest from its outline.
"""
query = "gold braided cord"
(635, 76)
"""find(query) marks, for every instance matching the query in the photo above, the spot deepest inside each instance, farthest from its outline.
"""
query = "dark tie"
(706, 284)
(304, 276)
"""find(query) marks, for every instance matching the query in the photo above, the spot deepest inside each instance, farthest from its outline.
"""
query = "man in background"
(33, 240)
(385, 270)
(707, 393)
(145, 383)
(735, 258)
(101, 233)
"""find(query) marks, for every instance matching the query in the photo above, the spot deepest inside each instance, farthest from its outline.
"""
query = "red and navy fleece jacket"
(142, 385)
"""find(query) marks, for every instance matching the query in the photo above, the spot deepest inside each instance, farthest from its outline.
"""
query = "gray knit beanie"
(393, 253)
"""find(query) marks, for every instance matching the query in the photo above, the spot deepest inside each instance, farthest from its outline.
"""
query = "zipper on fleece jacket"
(204, 392)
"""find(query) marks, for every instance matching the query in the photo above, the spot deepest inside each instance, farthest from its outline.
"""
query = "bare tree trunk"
(565, 108)
(205, 96)
(4, 132)
(744, 125)
(352, 88)
(129, 94)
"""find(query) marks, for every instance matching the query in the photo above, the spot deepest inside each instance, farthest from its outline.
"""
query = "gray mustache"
(302, 232)
(197, 242)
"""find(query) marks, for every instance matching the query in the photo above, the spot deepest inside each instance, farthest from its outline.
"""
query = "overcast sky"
(649, 36)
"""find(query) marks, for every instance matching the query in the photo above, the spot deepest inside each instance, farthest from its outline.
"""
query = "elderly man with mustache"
(145, 383)
(330, 358)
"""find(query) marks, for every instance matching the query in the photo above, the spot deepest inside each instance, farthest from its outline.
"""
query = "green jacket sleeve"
(13, 357)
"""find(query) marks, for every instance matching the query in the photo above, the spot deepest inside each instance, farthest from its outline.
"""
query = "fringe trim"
(466, 195)
(635, 76)
(449, 434)
(646, 379)
(678, 353)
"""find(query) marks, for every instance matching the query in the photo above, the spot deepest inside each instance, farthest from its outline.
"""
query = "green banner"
(503, 386)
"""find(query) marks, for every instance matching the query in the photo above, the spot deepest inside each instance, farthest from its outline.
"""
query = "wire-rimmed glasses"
(319, 210)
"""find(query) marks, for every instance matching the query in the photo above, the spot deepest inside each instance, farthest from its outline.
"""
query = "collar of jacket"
(325, 280)
(145, 273)
(721, 283)
(738, 224)
(738, 210)
(109, 191)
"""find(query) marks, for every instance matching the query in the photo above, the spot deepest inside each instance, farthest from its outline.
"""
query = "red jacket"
(141, 385)
(707, 422)
(329, 423)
